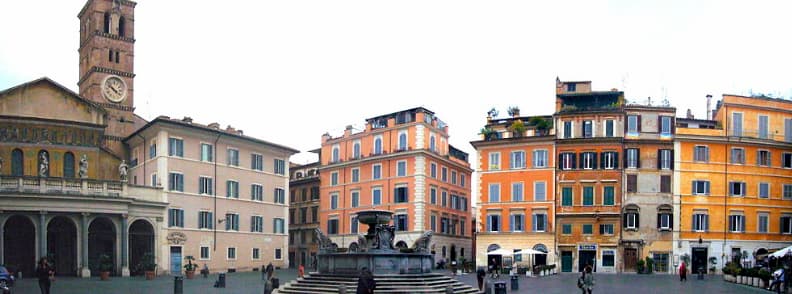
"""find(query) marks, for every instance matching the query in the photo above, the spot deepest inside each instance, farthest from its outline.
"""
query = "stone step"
(429, 283)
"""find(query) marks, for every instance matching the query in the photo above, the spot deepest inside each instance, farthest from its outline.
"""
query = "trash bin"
(275, 283)
(178, 285)
(515, 282)
(221, 280)
(499, 287)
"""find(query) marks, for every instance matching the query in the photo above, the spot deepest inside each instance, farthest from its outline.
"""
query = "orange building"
(401, 162)
(589, 131)
(734, 182)
(516, 189)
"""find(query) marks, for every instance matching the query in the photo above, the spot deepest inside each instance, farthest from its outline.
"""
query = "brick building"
(303, 213)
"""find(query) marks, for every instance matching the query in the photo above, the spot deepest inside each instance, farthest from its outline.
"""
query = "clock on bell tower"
(107, 44)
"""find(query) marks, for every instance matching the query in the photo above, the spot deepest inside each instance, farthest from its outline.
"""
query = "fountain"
(396, 270)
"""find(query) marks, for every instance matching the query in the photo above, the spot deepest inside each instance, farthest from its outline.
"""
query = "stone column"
(85, 272)
(124, 245)
(42, 234)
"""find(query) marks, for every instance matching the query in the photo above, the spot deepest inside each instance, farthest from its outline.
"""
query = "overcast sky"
(289, 71)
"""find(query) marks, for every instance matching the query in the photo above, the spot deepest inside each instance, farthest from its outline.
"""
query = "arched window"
(122, 26)
(377, 145)
(432, 144)
(17, 163)
(68, 165)
(107, 22)
(336, 154)
(403, 141)
(43, 163)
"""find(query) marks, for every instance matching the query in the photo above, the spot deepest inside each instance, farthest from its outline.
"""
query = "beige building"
(226, 193)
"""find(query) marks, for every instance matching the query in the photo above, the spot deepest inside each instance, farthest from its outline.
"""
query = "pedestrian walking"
(683, 272)
(301, 271)
(366, 283)
(270, 268)
(480, 274)
(45, 274)
(586, 281)
(778, 280)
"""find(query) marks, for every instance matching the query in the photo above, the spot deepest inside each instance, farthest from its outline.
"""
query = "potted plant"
(640, 266)
(105, 266)
(489, 134)
(517, 128)
(148, 265)
(649, 265)
(765, 276)
(189, 268)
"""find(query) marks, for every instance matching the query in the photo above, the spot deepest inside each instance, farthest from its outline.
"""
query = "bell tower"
(107, 47)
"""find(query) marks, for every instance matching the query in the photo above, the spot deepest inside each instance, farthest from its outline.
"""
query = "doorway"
(630, 259)
(141, 241)
(587, 257)
(453, 253)
(19, 245)
(101, 241)
(175, 260)
(566, 261)
(62, 245)
(698, 259)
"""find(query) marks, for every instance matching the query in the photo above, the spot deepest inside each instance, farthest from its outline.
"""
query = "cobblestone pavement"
(250, 282)
(623, 283)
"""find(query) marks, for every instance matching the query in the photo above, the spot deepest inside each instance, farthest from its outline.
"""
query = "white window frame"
(665, 221)
(253, 253)
(539, 158)
(536, 196)
(632, 124)
(374, 150)
(489, 191)
(665, 159)
(335, 153)
(275, 254)
(378, 189)
(514, 196)
(610, 160)
(513, 161)
(356, 149)
(257, 161)
(232, 192)
(374, 174)
(253, 226)
(229, 158)
(588, 159)
(255, 197)
(759, 217)
(334, 199)
(632, 218)
(228, 253)
(355, 175)
(703, 221)
(632, 158)
(334, 178)
(206, 185)
(739, 223)
(786, 192)
(566, 161)
(352, 198)
(210, 156)
(759, 190)
(665, 129)
(401, 168)
(208, 253)
(705, 186)
(696, 157)
(405, 145)
(494, 157)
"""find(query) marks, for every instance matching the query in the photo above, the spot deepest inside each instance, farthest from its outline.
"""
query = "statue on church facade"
(43, 164)
(123, 169)
(83, 172)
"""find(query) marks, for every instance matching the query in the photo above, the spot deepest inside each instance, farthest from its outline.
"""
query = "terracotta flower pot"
(104, 276)
(149, 275)
(190, 274)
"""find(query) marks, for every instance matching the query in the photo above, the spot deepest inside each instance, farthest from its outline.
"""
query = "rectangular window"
(571, 87)
(763, 221)
(232, 189)
(666, 158)
(665, 125)
(354, 224)
(279, 196)
(701, 187)
(786, 224)
(632, 183)
(462, 180)
(736, 223)
(152, 150)
(540, 193)
(433, 195)
(376, 172)
(737, 124)
(355, 198)
(232, 222)
(764, 190)
(154, 180)
(700, 222)
(334, 179)
(632, 124)
(701, 153)
(278, 226)
(664, 221)
(588, 196)
(494, 192)
(256, 192)
(787, 192)
(444, 174)
(737, 188)
(786, 160)
(207, 152)
(763, 158)
(279, 166)
(355, 175)
(588, 160)
(539, 158)
(763, 130)
(606, 229)
(401, 222)
(517, 222)
(315, 214)
(493, 223)
(175, 147)
(278, 254)
(256, 224)
(433, 170)
(176, 182)
(665, 184)
(256, 254)
(231, 253)
(453, 177)
(738, 156)
(610, 160)
(588, 229)
(567, 160)
(633, 158)
(517, 192)
(609, 128)
(205, 220)
(517, 159)
(494, 160)
(376, 196)
(566, 196)
(608, 197)
(539, 222)
(567, 129)
(176, 217)
(205, 186)
(333, 201)
(631, 220)
(257, 162)
(400, 195)
(401, 168)
(304, 215)
(433, 223)
(566, 229)
(588, 129)
(204, 253)
(444, 198)
(232, 157)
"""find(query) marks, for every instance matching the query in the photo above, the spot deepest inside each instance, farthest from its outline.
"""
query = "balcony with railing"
(77, 187)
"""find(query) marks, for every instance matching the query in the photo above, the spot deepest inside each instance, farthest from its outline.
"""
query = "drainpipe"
(725, 181)
(214, 226)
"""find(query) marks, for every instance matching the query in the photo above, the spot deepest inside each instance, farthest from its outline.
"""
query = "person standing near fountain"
(366, 283)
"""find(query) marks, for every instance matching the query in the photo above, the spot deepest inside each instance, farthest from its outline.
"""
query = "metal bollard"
(341, 289)
(221, 279)
(178, 285)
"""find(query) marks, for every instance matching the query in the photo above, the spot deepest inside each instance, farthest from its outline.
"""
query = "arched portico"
(62, 245)
(141, 241)
(101, 241)
(19, 244)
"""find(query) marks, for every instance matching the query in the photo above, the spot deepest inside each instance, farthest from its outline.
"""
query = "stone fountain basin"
(374, 217)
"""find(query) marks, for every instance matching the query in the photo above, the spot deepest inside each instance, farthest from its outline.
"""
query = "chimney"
(214, 125)
(187, 119)
(348, 131)
(709, 106)
(325, 137)
(230, 129)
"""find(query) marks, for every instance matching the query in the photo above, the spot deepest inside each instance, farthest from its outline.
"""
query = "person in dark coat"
(366, 283)
(45, 274)
(480, 274)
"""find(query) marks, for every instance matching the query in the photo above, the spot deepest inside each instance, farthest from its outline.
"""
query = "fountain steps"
(427, 283)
